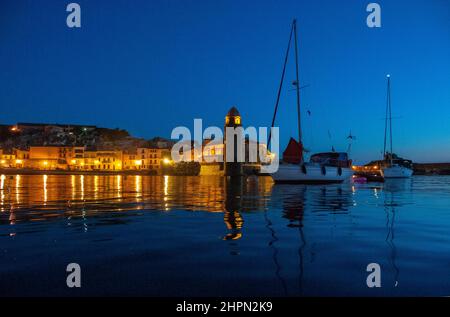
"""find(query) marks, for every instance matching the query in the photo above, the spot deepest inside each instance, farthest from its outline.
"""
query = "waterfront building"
(21, 157)
(12, 158)
(53, 157)
(75, 157)
(130, 161)
(7, 159)
(103, 160)
(21, 154)
(213, 151)
(151, 158)
(8, 156)
(213, 154)
(146, 159)
(78, 158)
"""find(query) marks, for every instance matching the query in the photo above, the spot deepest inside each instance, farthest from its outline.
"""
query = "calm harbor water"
(203, 236)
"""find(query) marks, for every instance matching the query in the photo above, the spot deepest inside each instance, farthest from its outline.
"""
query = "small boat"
(323, 168)
(393, 166)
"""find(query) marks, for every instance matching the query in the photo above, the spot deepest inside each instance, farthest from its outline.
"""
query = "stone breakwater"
(432, 168)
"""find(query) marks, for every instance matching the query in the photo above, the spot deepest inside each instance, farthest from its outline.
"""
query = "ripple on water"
(188, 235)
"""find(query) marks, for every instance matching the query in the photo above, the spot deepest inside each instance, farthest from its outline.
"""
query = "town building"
(8, 159)
(130, 161)
(103, 160)
(78, 158)
(53, 157)
(151, 158)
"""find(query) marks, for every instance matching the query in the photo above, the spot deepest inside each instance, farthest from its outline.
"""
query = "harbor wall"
(431, 168)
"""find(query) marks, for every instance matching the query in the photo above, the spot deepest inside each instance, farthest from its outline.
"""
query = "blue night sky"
(149, 66)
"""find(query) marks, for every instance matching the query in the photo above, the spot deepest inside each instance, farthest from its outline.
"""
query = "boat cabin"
(338, 159)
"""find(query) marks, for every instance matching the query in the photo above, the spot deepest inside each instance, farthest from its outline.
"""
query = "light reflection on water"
(251, 237)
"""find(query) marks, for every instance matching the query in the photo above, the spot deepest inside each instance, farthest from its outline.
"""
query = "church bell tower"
(232, 119)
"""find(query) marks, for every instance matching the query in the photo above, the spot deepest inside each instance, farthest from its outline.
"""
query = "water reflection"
(45, 178)
(275, 252)
(297, 201)
(36, 197)
(234, 190)
(82, 187)
(293, 211)
(282, 240)
(46, 197)
(166, 192)
(391, 188)
(2, 192)
(397, 185)
(294, 206)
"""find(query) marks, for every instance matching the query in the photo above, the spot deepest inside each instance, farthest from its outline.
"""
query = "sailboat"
(327, 167)
(393, 167)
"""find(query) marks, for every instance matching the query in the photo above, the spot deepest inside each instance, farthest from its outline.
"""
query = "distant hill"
(24, 135)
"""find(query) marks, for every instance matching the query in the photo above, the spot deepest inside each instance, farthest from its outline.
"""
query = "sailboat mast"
(390, 114)
(281, 86)
(297, 84)
(386, 117)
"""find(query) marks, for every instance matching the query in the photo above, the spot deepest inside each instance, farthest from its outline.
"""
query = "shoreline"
(23, 171)
(431, 168)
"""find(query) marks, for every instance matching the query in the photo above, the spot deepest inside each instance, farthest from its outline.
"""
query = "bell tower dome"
(233, 118)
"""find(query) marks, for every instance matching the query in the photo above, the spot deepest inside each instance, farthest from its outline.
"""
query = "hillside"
(23, 136)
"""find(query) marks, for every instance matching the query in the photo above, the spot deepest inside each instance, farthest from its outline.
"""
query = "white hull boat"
(310, 173)
(396, 171)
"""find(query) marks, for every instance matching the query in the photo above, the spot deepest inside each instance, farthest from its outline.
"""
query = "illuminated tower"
(232, 119)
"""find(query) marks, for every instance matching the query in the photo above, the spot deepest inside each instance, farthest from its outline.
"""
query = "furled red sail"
(293, 153)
